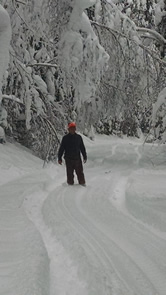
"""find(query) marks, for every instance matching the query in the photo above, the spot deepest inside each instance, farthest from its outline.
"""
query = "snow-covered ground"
(108, 238)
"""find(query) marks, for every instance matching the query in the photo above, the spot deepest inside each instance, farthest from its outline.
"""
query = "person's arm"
(61, 151)
(83, 150)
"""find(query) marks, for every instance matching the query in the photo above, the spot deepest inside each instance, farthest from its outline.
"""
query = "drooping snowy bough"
(81, 57)
(5, 37)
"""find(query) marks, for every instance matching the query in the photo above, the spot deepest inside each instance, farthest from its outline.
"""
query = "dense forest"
(100, 63)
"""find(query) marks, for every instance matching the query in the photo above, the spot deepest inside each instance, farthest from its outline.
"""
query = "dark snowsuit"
(71, 146)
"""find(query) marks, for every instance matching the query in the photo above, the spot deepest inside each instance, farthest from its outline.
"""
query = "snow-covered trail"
(115, 253)
(108, 238)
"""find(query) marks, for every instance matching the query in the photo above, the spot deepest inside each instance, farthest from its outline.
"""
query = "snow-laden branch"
(148, 36)
(17, 100)
(157, 36)
(115, 33)
(52, 127)
(12, 97)
(81, 57)
(42, 65)
(5, 36)
(21, 2)
(15, 8)
(160, 101)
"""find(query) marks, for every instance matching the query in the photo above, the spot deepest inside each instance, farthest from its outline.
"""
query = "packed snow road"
(108, 238)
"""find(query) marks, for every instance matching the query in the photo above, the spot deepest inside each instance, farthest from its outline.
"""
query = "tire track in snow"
(114, 254)
(84, 250)
(110, 255)
(62, 279)
(131, 273)
(108, 252)
(140, 245)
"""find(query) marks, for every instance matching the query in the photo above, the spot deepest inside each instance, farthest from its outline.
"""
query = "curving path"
(108, 238)
(114, 250)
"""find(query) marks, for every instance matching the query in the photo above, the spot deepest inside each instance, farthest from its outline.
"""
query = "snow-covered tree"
(30, 98)
(135, 74)
(5, 36)
(95, 62)
(81, 58)
(160, 22)
(48, 83)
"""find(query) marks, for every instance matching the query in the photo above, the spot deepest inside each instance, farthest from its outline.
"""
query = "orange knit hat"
(72, 124)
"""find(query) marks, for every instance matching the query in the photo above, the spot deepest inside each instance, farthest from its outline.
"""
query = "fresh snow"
(108, 238)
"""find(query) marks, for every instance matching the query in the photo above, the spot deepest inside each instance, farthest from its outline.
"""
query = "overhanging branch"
(113, 32)
(157, 36)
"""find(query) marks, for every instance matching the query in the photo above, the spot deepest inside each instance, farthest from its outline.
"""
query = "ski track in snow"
(108, 238)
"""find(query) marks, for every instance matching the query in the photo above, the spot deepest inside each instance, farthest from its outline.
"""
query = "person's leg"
(79, 171)
(70, 171)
